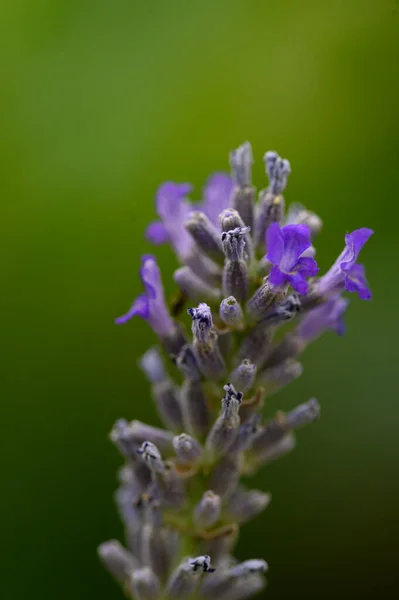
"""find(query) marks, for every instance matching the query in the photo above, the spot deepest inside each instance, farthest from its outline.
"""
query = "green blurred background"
(100, 102)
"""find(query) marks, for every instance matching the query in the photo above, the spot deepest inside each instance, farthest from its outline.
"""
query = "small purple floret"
(326, 316)
(173, 209)
(217, 193)
(285, 249)
(345, 272)
(150, 305)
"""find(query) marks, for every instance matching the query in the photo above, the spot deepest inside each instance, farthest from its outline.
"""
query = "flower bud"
(185, 578)
(225, 429)
(117, 560)
(187, 448)
(244, 505)
(243, 377)
(206, 235)
(207, 511)
(151, 456)
(231, 312)
(262, 301)
(165, 393)
(145, 584)
(195, 287)
(303, 414)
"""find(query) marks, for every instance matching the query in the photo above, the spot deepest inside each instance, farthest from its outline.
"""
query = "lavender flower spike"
(285, 248)
(180, 494)
(150, 305)
(345, 272)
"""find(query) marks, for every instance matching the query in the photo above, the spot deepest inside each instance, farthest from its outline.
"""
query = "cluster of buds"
(249, 282)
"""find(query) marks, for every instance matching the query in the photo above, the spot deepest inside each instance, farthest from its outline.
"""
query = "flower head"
(150, 305)
(285, 249)
(345, 272)
(183, 480)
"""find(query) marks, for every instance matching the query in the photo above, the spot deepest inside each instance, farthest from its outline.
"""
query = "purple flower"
(326, 316)
(345, 272)
(217, 195)
(150, 305)
(285, 249)
(173, 209)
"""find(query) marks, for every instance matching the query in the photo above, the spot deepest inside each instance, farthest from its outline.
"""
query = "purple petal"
(150, 305)
(337, 307)
(296, 241)
(326, 316)
(159, 317)
(173, 210)
(276, 277)
(151, 276)
(169, 196)
(139, 308)
(339, 326)
(156, 233)
(274, 244)
(307, 266)
(336, 277)
(298, 282)
(217, 194)
(354, 243)
(355, 281)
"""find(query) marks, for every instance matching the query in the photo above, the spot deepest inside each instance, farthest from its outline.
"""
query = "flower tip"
(174, 190)
(201, 563)
(146, 258)
(121, 320)
(358, 238)
(365, 295)
(156, 233)
(365, 231)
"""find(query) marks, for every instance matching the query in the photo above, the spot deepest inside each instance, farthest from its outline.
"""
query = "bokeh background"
(100, 102)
